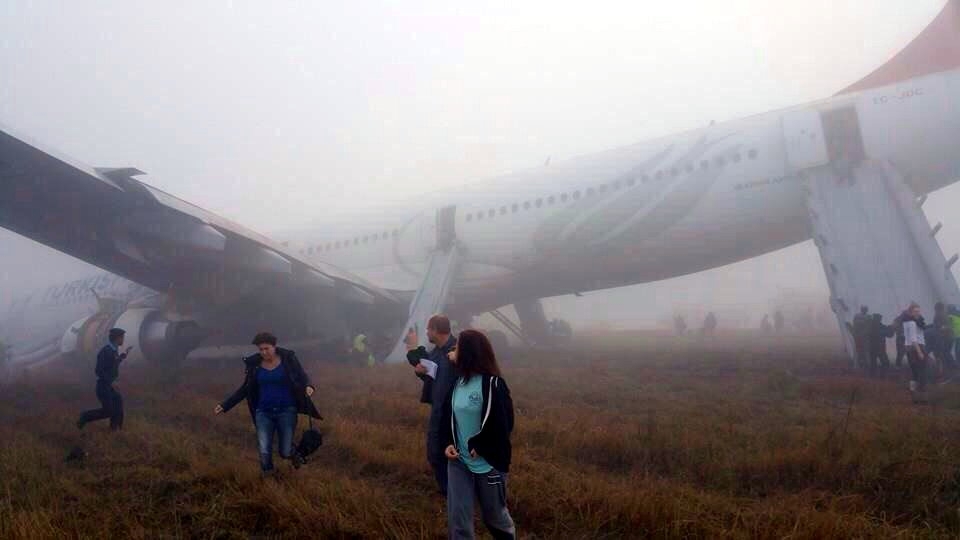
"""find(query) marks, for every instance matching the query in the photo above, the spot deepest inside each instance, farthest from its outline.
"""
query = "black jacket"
(108, 364)
(493, 441)
(250, 389)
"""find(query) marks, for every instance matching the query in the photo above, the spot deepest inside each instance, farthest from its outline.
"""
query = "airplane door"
(803, 137)
(446, 227)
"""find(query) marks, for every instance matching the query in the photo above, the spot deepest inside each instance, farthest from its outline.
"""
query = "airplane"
(178, 276)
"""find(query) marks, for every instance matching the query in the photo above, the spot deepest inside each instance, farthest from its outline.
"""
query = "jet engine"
(154, 338)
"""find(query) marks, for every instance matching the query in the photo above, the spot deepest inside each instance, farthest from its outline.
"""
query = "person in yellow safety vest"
(954, 315)
(361, 352)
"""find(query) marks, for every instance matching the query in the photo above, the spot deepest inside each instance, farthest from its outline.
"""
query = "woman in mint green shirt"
(477, 422)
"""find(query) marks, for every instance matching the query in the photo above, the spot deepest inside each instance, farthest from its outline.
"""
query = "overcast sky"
(273, 116)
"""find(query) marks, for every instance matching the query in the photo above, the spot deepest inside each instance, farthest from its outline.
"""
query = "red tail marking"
(936, 49)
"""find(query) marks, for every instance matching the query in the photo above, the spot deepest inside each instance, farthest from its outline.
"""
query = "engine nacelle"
(153, 337)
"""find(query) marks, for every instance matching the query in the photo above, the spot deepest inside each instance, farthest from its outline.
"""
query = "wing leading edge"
(108, 218)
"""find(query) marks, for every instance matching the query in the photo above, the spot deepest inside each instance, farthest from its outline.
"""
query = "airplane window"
(526, 205)
(337, 244)
(631, 181)
(563, 197)
(469, 217)
(365, 239)
(491, 212)
(396, 232)
(720, 161)
(551, 199)
(503, 210)
(736, 157)
(539, 203)
(514, 207)
(589, 192)
(356, 241)
(385, 235)
(576, 195)
(752, 154)
(479, 215)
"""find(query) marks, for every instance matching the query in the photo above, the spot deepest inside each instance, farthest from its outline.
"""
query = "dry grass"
(626, 436)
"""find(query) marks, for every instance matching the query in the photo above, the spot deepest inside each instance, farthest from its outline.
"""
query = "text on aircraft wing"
(107, 218)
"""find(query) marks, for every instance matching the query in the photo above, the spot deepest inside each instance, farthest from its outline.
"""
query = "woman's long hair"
(475, 355)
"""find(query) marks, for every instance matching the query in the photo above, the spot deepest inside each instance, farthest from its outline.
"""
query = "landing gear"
(534, 329)
(498, 339)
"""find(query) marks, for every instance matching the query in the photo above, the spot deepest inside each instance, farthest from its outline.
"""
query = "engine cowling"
(154, 338)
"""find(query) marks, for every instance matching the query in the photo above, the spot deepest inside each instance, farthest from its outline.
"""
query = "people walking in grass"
(477, 422)
(276, 388)
(108, 371)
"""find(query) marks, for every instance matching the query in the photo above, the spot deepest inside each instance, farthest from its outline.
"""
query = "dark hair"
(440, 324)
(264, 337)
(475, 355)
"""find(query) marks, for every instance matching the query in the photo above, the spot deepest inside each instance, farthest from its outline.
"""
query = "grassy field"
(622, 436)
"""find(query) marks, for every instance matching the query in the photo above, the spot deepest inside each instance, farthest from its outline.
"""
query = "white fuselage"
(649, 211)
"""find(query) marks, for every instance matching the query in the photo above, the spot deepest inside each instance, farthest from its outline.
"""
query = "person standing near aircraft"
(954, 316)
(900, 342)
(878, 333)
(915, 343)
(709, 324)
(477, 421)
(860, 329)
(778, 321)
(438, 376)
(276, 388)
(108, 370)
(944, 330)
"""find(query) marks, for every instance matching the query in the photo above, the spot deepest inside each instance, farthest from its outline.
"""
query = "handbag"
(310, 441)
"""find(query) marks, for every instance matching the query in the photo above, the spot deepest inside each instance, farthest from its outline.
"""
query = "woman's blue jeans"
(283, 421)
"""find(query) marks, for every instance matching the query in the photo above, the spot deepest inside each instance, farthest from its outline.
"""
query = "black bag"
(310, 441)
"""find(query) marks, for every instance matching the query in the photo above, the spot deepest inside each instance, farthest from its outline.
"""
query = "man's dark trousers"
(111, 406)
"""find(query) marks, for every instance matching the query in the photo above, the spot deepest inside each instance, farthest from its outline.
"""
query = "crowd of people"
(929, 349)
(468, 431)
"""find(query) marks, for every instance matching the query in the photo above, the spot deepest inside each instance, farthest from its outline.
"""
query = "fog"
(272, 117)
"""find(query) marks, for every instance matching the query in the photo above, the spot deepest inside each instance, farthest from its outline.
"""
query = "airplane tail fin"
(935, 49)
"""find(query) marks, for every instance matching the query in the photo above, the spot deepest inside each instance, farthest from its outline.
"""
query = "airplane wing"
(108, 218)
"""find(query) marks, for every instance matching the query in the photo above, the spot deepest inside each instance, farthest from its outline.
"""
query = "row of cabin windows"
(366, 239)
(718, 161)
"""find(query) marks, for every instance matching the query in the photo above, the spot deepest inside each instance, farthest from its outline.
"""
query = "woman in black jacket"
(476, 425)
(276, 388)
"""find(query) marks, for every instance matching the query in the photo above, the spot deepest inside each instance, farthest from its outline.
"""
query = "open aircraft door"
(446, 228)
(803, 139)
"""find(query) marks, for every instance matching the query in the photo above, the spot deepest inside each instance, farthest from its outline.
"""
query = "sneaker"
(297, 460)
